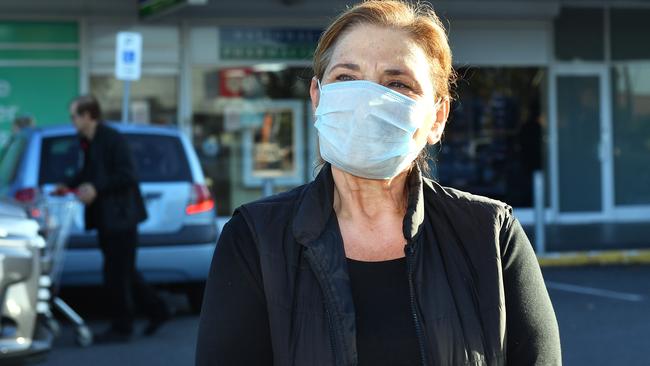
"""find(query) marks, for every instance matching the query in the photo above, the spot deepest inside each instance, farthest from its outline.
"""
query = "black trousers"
(124, 285)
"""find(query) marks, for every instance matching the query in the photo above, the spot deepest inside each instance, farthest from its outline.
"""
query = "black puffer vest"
(455, 276)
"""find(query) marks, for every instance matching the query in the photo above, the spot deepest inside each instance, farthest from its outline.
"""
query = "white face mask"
(367, 129)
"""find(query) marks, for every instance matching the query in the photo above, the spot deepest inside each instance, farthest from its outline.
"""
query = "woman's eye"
(344, 77)
(398, 85)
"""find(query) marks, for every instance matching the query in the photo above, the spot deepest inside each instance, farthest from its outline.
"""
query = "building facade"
(557, 86)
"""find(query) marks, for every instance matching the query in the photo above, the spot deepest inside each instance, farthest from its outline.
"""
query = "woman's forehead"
(374, 48)
(365, 43)
(378, 41)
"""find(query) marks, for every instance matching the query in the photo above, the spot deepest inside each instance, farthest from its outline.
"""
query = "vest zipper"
(331, 331)
(326, 303)
(410, 256)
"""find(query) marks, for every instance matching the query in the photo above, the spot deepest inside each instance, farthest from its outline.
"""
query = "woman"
(372, 264)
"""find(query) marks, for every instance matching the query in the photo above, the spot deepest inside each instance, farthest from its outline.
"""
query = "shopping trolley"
(59, 210)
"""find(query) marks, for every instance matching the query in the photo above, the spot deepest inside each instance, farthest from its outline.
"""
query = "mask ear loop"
(437, 104)
(320, 87)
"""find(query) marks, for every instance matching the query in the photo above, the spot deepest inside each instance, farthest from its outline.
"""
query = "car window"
(10, 157)
(157, 158)
(60, 159)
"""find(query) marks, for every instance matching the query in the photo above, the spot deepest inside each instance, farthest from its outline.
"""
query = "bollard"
(538, 192)
(267, 187)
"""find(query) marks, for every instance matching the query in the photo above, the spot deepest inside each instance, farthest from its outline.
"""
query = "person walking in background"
(372, 263)
(108, 187)
(21, 122)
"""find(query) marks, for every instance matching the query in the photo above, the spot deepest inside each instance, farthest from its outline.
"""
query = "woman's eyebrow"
(350, 66)
(397, 72)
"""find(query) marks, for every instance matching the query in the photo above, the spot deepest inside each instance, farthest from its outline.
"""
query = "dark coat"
(477, 293)
(108, 165)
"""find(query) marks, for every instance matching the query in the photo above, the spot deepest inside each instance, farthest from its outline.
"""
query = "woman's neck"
(367, 199)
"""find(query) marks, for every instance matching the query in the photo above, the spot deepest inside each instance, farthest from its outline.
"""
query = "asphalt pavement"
(173, 344)
(603, 312)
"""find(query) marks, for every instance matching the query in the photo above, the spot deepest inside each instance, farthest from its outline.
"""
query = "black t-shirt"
(385, 329)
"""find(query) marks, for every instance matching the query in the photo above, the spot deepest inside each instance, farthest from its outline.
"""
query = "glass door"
(581, 144)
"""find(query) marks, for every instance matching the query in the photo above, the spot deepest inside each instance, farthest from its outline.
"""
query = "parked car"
(22, 336)
(177, 240)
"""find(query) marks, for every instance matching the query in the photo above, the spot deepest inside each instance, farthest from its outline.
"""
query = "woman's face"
(388, 57)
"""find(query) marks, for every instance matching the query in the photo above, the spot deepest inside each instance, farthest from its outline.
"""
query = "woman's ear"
(438, 126)
(314, 93)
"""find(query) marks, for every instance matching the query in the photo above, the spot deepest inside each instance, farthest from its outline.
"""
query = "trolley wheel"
(53, 326)
(84, 336)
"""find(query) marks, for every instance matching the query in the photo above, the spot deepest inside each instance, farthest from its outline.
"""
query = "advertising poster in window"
(272, 143)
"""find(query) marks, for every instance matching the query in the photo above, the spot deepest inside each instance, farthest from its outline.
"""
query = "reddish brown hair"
(418, 20)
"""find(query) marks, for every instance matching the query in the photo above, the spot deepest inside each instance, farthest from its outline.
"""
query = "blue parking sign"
(128, 57)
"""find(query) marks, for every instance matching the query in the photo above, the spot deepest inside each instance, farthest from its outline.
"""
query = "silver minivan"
(177, 240)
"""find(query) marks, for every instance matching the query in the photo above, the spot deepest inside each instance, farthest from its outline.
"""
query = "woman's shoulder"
(276, 210)
(273, 204)
(456, 197)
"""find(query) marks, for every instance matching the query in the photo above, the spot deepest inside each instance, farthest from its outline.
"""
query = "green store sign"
(150, 8)
(39, 74)
(267, 43)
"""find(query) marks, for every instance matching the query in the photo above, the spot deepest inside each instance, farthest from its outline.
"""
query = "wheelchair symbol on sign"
(128, 57)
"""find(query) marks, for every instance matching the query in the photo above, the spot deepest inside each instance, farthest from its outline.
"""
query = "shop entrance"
(581, 174)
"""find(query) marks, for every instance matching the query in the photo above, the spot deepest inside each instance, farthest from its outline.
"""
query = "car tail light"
(201, 200)
(26, 195)
(35, 212)
(29, 198)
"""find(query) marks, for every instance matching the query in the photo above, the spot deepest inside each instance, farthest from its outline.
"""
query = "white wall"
(512, 43)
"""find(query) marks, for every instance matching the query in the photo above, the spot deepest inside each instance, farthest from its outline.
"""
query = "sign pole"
(125, 101)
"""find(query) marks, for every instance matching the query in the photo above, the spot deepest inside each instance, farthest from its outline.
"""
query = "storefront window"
(578, 143)
(153, 99)
(249, 129)
(494, 139)
(631, 112)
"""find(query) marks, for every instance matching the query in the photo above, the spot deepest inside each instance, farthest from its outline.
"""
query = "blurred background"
(557, 87)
